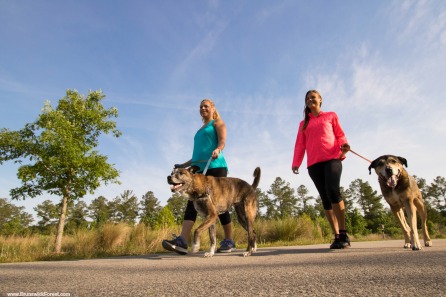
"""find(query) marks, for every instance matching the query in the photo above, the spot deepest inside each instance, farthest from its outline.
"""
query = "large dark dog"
(214, 195)
(401, 192)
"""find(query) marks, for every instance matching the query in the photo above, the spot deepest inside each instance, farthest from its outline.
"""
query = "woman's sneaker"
(177, 244)
(345, 241)
(226, 246)
(340, 242)
(336, 244)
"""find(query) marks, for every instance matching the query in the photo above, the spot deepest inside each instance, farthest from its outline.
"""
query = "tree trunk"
(61, 225)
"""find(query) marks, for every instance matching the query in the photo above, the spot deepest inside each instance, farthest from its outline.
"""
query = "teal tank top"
(205, 142)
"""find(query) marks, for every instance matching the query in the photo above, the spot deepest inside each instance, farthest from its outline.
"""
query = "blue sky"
(381, 65)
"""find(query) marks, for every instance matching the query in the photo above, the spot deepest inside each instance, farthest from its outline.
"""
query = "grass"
(123, 239)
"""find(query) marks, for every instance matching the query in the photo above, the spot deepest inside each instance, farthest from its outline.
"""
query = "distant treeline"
(366, 210)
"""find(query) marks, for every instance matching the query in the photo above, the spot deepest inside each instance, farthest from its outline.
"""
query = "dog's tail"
(256, 181)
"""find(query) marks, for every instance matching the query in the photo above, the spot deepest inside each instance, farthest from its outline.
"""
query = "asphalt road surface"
(382, 268)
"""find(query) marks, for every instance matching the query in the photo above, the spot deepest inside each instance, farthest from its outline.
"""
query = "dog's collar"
(205, 195)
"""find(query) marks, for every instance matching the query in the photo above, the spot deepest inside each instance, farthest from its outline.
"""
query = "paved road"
(381, 268)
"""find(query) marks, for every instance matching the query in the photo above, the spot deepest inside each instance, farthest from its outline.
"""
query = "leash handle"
(207, 165)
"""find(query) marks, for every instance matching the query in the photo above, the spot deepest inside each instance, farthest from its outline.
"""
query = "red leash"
(360, 156)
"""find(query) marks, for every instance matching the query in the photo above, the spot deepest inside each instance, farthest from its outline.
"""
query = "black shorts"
(191, 214)
(327, 178)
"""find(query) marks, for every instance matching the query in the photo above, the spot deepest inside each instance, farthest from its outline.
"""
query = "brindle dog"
(214, 195)
(401, 192)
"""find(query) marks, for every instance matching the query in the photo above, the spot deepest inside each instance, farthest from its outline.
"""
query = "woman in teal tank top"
(209, 141)
(205, 142)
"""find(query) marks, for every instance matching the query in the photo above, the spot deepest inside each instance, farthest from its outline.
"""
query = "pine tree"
(99, 211)
(150, 207)
(283, 198)
(369, 202)
(125, 208)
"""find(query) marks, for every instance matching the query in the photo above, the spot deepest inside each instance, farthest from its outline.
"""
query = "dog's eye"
(392, 161)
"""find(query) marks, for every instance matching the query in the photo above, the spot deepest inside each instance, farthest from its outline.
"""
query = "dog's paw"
(407, 245)
(417, 248)
(208, 255)
(248, 253)
(428, 243)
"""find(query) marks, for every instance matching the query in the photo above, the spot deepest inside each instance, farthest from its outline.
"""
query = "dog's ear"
(193, 169)
(372, 165)
(403, 161)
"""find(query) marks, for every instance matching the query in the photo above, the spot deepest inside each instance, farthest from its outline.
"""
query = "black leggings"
(191, 214)
(327, 177)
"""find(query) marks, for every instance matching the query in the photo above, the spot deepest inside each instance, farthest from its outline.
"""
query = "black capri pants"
(327, 178)
(191, 214)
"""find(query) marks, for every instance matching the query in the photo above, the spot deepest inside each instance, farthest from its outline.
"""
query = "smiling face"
(313, 100)
(207, 110)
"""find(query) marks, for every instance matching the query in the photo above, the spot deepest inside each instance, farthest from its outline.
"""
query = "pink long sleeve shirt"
(322, 139)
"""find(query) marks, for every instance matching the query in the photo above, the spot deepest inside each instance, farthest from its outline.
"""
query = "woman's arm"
(220, 127)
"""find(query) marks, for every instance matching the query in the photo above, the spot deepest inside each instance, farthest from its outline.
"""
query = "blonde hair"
(307, 110)
(215, 115)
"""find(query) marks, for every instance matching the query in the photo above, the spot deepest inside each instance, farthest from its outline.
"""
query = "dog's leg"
(411, 212)
(423, 214)
(399, 214)
(207, 223)
(241, 217)
(196, 242)
(246, 214)
(213, 241)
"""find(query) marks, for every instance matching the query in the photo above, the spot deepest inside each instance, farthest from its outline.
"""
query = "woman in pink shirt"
(320, 135)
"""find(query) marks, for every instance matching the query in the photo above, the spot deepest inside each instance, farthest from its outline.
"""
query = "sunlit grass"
(122, 239)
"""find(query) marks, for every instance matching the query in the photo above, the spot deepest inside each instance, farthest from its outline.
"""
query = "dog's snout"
(169, 179)
(389, 170)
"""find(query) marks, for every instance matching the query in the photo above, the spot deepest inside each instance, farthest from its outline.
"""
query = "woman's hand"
(345, 147)
(295, 169)
(215, 153)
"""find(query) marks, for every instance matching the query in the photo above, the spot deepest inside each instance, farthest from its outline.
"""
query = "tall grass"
(122, 239)
(25, 248)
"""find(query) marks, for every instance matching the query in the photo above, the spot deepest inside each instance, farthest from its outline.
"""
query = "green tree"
(283, 198)
(165, 218)
(266, 207)
(349, 203)
(369, 201)
(304, 201)
(60, 147)
(356, 223)
(150, 207)
(13, 219)
(437, 194)
(390, 223)
(77, 216)
(99, 211)
(177, 205)
(125, 208)
(48, 214)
